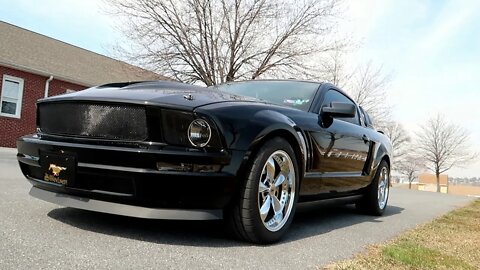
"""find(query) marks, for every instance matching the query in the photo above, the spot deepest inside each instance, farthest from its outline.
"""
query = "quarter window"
(11, 98)
(335, 96)
(366, 118)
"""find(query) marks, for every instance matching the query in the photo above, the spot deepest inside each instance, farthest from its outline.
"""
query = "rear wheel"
(267, 201)
(375, 198)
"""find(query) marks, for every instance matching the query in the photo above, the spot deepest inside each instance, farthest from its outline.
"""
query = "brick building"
(428, 182)
(33, 66)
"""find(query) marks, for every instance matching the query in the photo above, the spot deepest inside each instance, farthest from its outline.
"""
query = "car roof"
(273, 80)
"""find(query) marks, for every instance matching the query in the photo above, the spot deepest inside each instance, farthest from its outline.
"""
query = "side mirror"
(339, 109)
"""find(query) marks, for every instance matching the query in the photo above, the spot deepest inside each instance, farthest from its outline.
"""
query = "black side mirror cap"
(339, 109)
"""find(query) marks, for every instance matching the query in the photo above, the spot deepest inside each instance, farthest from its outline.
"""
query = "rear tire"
(265, 208)
(376, 195)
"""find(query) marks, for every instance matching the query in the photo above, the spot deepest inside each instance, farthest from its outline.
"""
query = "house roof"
(32, 52)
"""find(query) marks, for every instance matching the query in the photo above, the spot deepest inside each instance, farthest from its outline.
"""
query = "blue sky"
(84, 23)
(433, 51)
(432, 48)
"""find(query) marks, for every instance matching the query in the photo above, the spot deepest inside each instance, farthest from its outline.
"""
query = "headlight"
(199, 133)
(186, 129)
(175, 126)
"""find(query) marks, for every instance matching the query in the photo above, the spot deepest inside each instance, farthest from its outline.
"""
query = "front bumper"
(109, 176)
(124, 209)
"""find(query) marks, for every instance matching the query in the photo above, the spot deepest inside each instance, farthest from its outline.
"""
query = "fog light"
(174, 167)
(199, 133)
(206, 168)
(187, 167)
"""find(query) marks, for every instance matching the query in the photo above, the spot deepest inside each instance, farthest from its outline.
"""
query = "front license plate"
(58, 168)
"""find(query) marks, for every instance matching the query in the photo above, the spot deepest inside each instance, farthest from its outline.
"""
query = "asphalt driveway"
(36, 234)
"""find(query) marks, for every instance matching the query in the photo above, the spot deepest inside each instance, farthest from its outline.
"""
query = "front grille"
(102, 121)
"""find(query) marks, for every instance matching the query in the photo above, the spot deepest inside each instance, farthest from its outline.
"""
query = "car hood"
(168, 94)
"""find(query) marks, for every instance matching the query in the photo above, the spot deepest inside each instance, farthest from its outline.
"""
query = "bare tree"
(366, 83)
(225, 40)
(444, 145)
(409, 166)
(334, 68)
(399, 138)
(368, 87)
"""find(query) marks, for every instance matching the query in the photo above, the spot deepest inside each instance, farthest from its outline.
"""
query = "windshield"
(288, 93)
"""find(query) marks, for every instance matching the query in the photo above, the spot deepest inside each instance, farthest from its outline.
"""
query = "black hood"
(170, 94)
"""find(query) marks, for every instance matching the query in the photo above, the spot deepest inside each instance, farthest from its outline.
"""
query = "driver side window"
(335, 96)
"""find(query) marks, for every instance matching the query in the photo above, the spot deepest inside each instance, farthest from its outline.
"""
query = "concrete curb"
(8, 150)
(8, 154)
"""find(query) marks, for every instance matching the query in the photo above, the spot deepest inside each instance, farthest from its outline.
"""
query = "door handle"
(365, 138)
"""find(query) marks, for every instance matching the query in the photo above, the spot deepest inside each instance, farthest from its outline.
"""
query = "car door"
(340, 151)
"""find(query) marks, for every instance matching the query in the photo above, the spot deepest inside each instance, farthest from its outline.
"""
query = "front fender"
(267, 124)
(261, 125)
(245, 128)
(382, 152)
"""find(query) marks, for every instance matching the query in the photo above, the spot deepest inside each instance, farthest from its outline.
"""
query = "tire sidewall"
(262, 233)
(374, 189)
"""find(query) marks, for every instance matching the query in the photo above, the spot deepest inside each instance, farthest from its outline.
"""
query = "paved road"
(35, 234)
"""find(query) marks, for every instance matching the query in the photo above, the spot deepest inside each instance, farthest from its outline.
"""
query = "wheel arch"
(386, 157)
(268, 124)
(292, 137)
(382, 154)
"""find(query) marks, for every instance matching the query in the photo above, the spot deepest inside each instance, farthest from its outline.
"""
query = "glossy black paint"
(337, 158)
(160, 93)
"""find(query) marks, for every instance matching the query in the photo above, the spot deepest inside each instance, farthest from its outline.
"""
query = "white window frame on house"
(18, 100)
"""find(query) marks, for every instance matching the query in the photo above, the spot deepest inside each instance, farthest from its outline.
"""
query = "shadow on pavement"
(309, 221)
(316, 220)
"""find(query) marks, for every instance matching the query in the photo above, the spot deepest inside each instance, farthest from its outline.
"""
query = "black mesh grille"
(105, 121)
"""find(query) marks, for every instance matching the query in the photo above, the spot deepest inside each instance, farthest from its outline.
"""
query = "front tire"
(268, 197)
(376, 195)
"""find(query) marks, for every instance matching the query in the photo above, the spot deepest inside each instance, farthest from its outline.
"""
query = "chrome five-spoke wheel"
(276, 190)
(266, 205)
(383, 188)
(375, 197)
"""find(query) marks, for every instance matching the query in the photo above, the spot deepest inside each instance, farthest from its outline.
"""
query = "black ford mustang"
(247, 152)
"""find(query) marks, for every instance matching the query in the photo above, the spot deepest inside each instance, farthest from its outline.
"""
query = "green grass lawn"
(449, 242)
